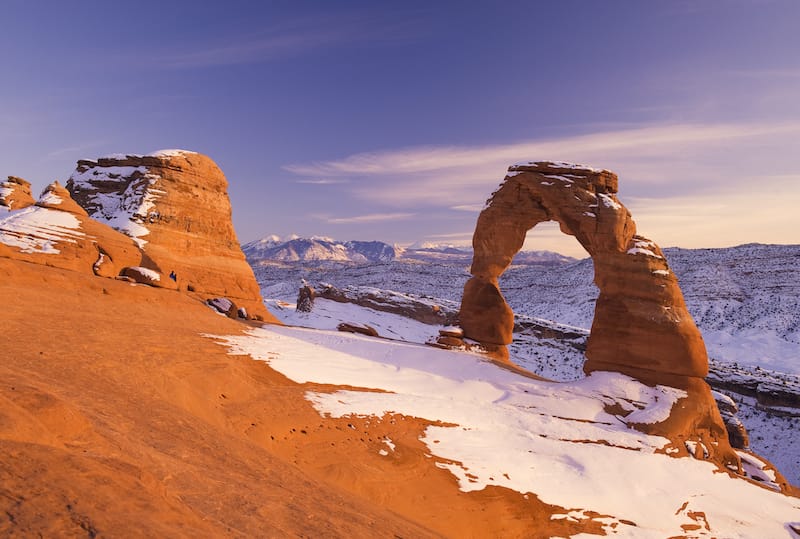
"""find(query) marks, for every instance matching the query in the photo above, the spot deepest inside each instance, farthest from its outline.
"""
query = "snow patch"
(171, 153)
(609, 202)
(39, 230)
(50, 198)
(150, 274)
(130, 207)
(554, 440)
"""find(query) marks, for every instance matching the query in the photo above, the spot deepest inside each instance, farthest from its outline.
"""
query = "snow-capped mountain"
(295, 249)
(272, 249)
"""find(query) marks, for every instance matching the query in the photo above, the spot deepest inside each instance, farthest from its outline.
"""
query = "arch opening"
(640, 325)
(552, 296)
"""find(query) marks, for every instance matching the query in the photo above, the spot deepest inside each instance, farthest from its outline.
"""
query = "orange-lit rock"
(175, 205)
(641, 321)
(57, 232)
(641, 325)
(15, 193)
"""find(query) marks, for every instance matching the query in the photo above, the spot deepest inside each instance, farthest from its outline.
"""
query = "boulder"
(174, 204)
(15, 193)
(363, 329)
(224, 306)
(147, 276)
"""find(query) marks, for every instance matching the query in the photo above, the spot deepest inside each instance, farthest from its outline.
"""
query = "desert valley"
(160, 380)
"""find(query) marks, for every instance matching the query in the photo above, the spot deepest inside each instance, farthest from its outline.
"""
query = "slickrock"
(15, 193)
(641, 325)
(175, 205)
(55, 197)
(56, 231)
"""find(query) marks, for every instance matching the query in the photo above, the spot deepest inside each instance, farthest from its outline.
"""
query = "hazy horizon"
(395, 123)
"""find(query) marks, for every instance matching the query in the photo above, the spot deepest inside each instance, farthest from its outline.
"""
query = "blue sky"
(395, 121)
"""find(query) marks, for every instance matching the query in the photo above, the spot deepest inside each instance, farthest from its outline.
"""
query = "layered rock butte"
(641, 325)
(174, 205)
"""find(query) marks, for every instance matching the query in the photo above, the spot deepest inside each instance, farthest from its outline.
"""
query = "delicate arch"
(640, 322)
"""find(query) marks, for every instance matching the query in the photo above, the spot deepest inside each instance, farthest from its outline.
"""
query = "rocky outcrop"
(641, 326)
(418, 308)
(305, 298)
(363, 329)
(15, 193)
(56, 231)
(147, 276)
(55, 197)
(174, 204)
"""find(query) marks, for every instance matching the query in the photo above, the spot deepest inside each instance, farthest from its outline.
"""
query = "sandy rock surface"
(117, 418)
(15, 193)
(175, 205)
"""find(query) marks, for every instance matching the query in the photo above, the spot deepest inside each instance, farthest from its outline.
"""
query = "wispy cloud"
(293, 36)
(78, 148)
(324, 181)
(255, 49)
(369, 218)
(688, 185)
(788, 74)
(692, 158)
(474, 208)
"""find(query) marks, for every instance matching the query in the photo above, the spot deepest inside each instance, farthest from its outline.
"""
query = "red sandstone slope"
(119, 418)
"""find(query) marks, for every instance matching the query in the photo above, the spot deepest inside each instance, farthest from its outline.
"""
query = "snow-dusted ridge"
(157, 153)
(554, 440)
(39, 230)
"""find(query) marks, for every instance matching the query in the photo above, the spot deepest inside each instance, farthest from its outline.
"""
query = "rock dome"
(174, 204)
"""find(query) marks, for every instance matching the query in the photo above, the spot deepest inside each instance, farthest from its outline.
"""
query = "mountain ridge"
(321, 248)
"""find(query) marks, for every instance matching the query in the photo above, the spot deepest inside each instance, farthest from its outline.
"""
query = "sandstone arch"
(640, 325)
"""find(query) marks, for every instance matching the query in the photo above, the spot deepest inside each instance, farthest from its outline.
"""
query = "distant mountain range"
(319, 249)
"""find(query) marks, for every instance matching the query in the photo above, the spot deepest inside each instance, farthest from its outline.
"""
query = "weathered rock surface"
(641, 325)
(425, 311)
(55, 197)
(223, 306)
(147, 276)
(175, 205)
(57, 232)
(305, 298)
(362, 329)
(15, 193)
(640, 322)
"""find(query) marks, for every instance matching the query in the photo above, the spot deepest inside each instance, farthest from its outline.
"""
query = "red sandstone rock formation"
(57, 232)
(175, 205)
(55, 197)
(641, 325)
(15, 193)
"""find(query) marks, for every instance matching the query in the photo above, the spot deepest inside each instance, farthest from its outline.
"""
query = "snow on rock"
(555, 440)
(39, 230)
(175, 205)
(119, 196)
(15, 194)
(554, 164)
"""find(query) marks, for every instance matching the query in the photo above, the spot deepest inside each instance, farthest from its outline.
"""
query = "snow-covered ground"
(553, 440)
(328, 314)
(745, 300)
